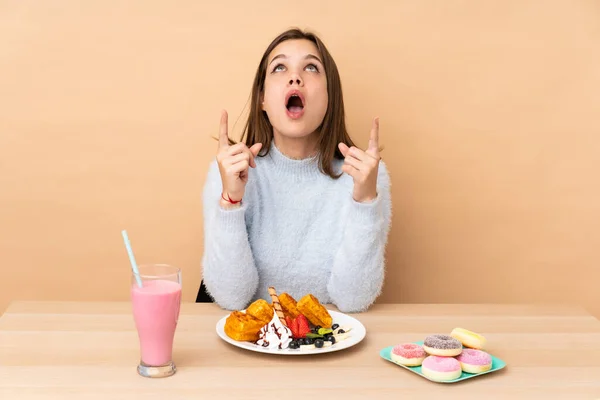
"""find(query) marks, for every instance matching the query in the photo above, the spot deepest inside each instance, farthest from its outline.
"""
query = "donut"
(474, 361)
(442, 345)
(468, 338)
(441, 369)
(409, 354)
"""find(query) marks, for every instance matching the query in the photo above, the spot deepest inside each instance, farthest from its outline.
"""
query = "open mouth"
(295, 104)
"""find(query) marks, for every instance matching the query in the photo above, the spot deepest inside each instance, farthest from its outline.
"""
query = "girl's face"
(295, 89)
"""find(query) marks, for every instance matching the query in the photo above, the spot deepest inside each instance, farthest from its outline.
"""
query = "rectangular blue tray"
(497, 364)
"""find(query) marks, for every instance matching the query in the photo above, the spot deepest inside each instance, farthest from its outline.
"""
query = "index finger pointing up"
(223, 136)
(374, 138)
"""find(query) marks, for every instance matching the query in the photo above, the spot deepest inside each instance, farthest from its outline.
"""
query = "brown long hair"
(332, 130)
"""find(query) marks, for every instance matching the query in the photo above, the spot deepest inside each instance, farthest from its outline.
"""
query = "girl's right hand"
(234, 162)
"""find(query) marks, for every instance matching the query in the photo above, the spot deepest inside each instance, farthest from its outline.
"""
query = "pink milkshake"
(156, 310)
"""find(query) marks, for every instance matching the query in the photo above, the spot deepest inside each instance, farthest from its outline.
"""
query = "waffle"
(288, 304)
(314, 311)
(245, 326)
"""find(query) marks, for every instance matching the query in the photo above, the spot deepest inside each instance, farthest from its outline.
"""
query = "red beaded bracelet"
(228, 199)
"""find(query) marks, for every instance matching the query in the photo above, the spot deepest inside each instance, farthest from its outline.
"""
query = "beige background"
(490, 118)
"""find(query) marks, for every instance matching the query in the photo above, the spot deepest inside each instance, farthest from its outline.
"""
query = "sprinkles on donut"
(409, 354)
(442, 345)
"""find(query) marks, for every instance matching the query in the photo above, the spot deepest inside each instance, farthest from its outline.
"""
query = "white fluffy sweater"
(299, 231)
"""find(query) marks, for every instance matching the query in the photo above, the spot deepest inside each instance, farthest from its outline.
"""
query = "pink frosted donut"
(441, 369)
(409, 354)
(474, 361)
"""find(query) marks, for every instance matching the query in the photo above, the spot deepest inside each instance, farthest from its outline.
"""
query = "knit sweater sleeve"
(229, 271)
(359, 266)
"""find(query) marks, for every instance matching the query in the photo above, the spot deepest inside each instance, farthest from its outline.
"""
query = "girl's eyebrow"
(313, 57)
(307, 57)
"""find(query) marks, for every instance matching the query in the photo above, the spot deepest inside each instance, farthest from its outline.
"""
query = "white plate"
(357, 334)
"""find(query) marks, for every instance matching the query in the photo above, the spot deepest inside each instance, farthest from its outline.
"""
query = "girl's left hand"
(363, 166)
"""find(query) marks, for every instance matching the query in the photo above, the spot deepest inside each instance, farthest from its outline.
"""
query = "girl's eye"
(312, 67)
(278, 67)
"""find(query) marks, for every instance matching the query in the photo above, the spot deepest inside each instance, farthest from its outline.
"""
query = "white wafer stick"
(277, 305)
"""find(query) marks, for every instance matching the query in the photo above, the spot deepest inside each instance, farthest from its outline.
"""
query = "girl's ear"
(262, 101)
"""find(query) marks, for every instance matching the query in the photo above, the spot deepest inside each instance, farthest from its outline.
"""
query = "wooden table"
(51, 350)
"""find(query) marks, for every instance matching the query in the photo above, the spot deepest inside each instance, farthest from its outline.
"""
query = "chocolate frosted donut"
(442, 345)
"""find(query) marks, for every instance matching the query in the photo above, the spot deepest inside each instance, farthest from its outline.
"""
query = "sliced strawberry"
(303, 327)
(288, 321)
(293, 325)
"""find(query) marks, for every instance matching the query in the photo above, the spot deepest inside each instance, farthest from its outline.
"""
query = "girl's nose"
(296, 80)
